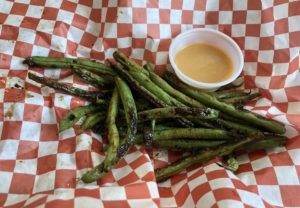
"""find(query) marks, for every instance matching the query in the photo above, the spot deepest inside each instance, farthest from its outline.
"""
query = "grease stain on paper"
(10, 111)
(61, 98)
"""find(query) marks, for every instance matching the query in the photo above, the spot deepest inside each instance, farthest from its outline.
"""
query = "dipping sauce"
(204, 63)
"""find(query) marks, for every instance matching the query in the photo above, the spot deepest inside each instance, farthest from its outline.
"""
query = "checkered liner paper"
(39, 168)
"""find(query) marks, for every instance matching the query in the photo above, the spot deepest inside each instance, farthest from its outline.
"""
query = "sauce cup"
(214, 38)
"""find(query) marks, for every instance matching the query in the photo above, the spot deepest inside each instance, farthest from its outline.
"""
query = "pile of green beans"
(131, 104)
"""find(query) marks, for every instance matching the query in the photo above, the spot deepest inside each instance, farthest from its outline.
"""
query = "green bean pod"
(241, 99)
(89, 95)
(175, 112)
(92, 78)
(136, 85)
(213, 102)
(202, 157)
(72, 117)
(193, 133)
(170, 90)
(50, 62)
(91, 120)
(129, 108)
(145, 81)
(113, 143)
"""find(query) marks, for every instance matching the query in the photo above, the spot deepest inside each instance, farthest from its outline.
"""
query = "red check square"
(266, 176)
(49, 132)
(164, 16)
(289, 195)
(65, 179)
(187, 17)
(112, 11)
(61, 29)
(50, 13)
(60, 203)
(80, 22)
(30, 23)
(33, 113)
(68, 6)
(26, 49)
(83, 160)
(253, 30)
(96, 15)
(67, 145)
(9, 32)
(267, 15)
(116, 203)
(88, 3)
(81, 192)
(277, 82)
(200, 191)
(226, 194)
(153, 30)
(88, 40)
(3, 198)
(294, 8)
(19, 9)
(27, 150)
(38, 2)
(211, 18)
(239, 17)
(43, 39)
(266, 43)
(294, 39)
(7, 165)
(176, 4)
(282, 55)
(228, 6)
(182, 195)
(46, 164)
(130, 178)
(292, 94)
(123, 29)
(264, 69)
(11, 130)
(281, 26)
(22, 183)
(137, 191)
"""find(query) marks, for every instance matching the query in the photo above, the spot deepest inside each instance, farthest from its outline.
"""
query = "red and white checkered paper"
(39, 168)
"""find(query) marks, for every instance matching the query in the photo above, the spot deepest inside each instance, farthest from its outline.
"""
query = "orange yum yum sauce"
(204, 63)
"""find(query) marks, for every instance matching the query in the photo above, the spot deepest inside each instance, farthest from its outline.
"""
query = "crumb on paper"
(17, 86)
(77, 180)
(21, 161)
(159, 154)
(28, 95)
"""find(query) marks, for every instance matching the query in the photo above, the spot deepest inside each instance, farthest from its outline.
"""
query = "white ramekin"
(214, 38)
